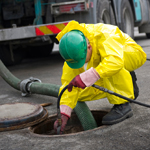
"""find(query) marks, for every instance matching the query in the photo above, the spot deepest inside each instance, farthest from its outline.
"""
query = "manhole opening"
(73, 125)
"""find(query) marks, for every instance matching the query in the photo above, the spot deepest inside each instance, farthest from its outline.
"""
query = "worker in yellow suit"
(98, 54)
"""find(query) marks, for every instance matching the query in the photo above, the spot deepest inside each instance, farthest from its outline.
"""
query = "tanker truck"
(30, 27)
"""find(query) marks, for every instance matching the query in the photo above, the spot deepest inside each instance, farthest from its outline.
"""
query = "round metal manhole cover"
(21, 115)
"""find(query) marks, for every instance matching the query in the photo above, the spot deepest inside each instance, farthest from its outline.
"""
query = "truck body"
(30, 27)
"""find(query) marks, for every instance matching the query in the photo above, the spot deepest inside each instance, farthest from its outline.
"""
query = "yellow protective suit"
(114, 55)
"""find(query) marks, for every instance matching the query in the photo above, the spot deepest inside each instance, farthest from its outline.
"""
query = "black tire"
(127, 19)
(5, 56)
(45, 50)
(40, 50)
(148, 35)
(105, 12)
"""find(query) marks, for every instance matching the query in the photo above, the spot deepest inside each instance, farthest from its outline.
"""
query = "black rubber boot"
(117, 114)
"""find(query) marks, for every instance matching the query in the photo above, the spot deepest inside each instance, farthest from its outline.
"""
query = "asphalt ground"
(131, 134)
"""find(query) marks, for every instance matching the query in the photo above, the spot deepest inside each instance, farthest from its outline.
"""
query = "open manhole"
(73, 125)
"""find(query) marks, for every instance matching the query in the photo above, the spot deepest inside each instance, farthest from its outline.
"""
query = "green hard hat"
(73, 48)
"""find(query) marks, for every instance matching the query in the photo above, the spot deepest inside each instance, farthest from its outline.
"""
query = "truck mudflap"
(17, 33)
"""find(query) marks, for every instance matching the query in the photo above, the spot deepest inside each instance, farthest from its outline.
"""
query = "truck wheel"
(40, 50)
(105, 12)
(148, 35)
(6, 58)
(45, 50)
(127, 19)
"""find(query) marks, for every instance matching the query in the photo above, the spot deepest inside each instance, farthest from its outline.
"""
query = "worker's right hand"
(64, 120)
(85, 79)
(76, 82)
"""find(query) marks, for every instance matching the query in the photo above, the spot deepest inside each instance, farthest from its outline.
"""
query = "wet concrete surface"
(131, 134)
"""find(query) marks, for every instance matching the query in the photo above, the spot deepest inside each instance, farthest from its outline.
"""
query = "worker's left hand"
(76, 82)
(64, 120)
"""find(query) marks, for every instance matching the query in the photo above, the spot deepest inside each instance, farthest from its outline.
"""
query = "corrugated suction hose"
(85, 116)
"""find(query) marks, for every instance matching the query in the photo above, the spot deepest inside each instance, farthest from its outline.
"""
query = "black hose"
(121, 96)
(59, 96)
(105, 90)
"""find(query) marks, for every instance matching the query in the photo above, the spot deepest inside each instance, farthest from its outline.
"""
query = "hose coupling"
(25, 85)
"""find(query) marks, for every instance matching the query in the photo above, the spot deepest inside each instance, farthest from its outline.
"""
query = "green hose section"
(83, 112)
(85, 116)
(36, 87)
(9, 77)
(45, 89)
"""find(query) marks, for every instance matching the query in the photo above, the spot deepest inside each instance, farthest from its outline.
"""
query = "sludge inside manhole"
(73, 125)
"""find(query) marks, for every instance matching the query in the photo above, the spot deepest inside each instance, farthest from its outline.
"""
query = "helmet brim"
(76, 65)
